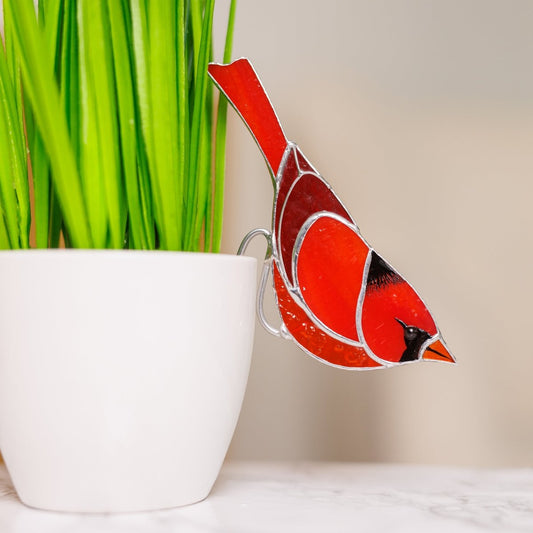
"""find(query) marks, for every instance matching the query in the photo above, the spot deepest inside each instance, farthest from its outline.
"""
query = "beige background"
(420, 114)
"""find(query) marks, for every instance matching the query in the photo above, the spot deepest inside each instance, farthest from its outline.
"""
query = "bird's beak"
(437, 351)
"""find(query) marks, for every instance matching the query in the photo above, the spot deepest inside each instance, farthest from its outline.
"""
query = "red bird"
(338, 299)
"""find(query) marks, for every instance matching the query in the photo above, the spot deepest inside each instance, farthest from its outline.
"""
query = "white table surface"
(316, 497)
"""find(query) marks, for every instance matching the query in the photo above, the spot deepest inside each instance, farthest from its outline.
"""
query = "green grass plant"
(112, 101)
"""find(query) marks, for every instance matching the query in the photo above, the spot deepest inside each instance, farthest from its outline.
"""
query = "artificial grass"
(113, 103)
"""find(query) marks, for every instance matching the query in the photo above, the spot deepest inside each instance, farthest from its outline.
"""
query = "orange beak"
(437, 351)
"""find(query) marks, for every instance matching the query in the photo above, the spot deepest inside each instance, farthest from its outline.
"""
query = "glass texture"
(290, 173)
(312, 338)
(242, 87)
(303, 163)
(388, 300)
(331, 262)
(308, 196)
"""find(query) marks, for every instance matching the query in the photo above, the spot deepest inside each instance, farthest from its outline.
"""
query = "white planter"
(121, 374)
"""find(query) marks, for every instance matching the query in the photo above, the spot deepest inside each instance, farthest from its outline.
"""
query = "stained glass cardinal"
(338, 299)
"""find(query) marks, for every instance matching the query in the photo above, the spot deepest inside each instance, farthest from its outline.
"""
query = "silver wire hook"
(250, 235)
(267, 268)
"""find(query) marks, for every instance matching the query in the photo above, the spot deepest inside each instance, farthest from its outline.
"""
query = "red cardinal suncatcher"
(338, 299)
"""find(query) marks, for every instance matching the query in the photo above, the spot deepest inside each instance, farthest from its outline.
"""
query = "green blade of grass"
(90, 154)
(109, 132)
(6, 200)
(11, 95)
(13, 68)
(196, 10)
(139, 50)
(183, 107)
(70, 101)
(220, 140)
(55, 223)
(7, 191)
(100, 162)
(41, 189)
(5, 177)
(197, 195)
(50, 19)
(139, 20)
(43, 95)
(145, 191)
(163, 157)
(202, 226)
(202, 229)
(208, 225)
(4, 237)
(69, 75)
(39, 159)
(16, 191)
(194, 31)
(207, 172)
(139, 225)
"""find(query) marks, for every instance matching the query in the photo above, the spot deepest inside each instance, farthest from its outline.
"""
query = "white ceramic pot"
(122, 374)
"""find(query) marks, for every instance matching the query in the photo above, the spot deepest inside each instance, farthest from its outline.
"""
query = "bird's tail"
(239, 82)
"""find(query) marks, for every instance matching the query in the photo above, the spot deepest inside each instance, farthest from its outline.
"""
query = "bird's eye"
(411, 333)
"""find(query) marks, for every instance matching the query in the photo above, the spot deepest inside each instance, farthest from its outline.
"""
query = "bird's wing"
(301, 193)
(328, 263)
(312, 338)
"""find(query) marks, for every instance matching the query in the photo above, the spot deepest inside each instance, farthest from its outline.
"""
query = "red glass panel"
(386, 303)
(309, 196)
(331, 261)
(304, 165)
(290, 173)
(239, 82)
(312, 338)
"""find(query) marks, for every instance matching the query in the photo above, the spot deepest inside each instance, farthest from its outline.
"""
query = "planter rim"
(170, 254)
